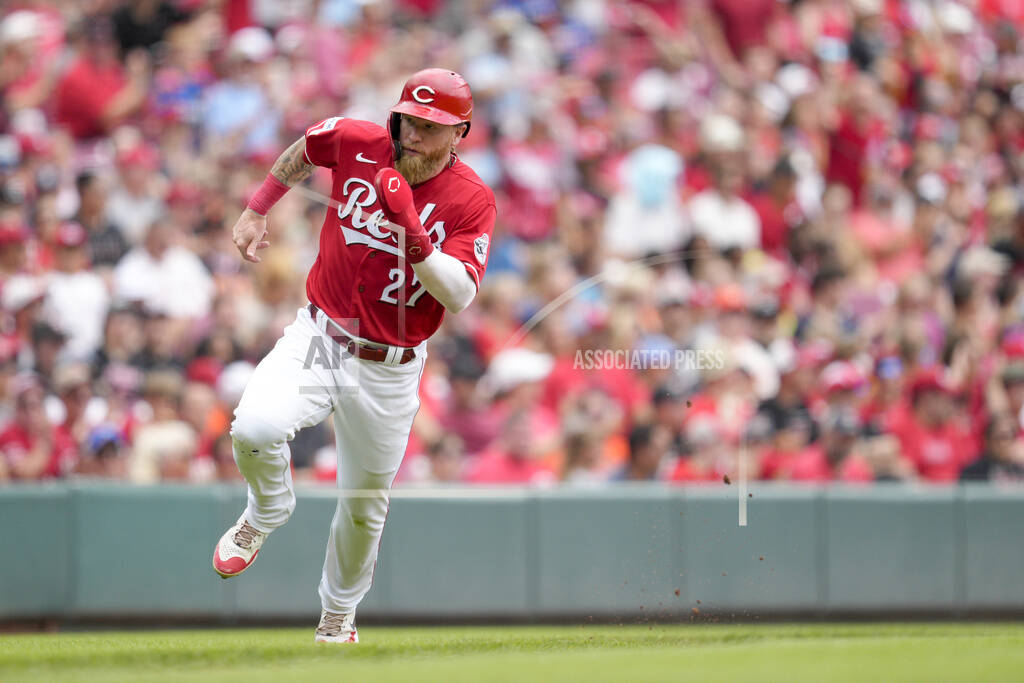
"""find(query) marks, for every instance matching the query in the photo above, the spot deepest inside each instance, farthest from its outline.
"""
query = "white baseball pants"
(298, 384)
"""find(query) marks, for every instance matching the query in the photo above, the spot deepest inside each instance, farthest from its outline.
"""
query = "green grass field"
(698, 652)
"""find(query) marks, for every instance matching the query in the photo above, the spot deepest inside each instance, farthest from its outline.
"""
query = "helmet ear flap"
(394, 122)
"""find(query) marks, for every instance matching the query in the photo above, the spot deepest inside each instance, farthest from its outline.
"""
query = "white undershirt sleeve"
(446, 279)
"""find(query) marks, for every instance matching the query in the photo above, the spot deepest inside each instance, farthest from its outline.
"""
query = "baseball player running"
(406, 237)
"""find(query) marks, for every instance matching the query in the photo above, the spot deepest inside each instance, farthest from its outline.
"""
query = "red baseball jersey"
(356, 274)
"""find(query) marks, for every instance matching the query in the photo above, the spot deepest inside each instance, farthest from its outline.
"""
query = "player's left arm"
(446, 277)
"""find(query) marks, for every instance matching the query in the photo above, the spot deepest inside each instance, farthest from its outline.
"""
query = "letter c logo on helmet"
(437, 95)
(420, 98)
(393, 184)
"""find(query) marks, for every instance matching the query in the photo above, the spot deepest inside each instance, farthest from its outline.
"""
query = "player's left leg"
(372, 429)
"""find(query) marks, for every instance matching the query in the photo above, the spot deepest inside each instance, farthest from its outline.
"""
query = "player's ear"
(459, 131)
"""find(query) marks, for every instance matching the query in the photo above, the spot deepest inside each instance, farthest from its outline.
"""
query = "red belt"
(354, 348)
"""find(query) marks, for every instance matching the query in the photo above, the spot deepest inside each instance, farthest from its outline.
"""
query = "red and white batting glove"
(395, 197)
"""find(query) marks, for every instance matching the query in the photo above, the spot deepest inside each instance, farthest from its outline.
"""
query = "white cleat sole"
(338, 640)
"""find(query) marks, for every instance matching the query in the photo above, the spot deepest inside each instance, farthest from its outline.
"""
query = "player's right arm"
(250, 231)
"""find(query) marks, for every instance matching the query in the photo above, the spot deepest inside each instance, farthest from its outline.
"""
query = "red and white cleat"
(237, 549)
(336, 628)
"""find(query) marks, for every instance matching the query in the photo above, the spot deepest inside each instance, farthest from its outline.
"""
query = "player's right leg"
(285, 393)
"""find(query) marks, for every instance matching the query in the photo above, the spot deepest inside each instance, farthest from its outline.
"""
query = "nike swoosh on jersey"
(360, 157)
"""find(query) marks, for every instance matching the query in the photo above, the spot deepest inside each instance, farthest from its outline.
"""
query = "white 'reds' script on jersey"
(360, 194)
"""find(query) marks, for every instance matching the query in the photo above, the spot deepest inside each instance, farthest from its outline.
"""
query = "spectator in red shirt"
(709, 455)
(790, 443)
(475, 421)
(887, 399)
(513, 458)
(96, 93)
(837, 455)
(931, 437)
(848, 145)
(31, 447)
(777, 208)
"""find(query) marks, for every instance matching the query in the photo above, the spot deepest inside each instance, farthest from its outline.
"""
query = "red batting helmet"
(438, 95)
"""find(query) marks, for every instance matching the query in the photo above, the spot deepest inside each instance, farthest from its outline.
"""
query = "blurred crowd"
(820, 199)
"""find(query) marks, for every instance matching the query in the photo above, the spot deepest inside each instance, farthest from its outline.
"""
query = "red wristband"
(417, 244)
(270, 191)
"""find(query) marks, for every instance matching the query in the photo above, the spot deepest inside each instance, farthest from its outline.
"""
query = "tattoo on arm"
(291, 167)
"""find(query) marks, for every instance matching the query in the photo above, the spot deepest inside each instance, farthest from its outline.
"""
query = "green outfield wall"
(86, 551)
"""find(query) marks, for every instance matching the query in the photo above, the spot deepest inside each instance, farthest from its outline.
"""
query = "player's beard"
(418, 168)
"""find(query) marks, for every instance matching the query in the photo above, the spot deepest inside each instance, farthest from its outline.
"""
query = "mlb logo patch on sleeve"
(480, 245)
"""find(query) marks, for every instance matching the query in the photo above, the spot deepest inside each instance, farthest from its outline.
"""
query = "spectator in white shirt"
(76, 298)
(646, 216)
(166, 278)
(718, 213)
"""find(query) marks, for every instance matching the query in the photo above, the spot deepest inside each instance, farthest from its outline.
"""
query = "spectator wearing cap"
(843, 382)
(27, 74)
(135, 201)
(797, 387)
(96, 93)
(164, 276)
(22, 299)
(475, 421)
(76, 298)
(930, 436)
(30, 446)
(106, 244)
(164, 446)
(514, 382)
(719, 213)
(237, 115)
(669, 411)
(726, 394)
(104, 455)
(1003, 456)
(887, 397)
(733, 335)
